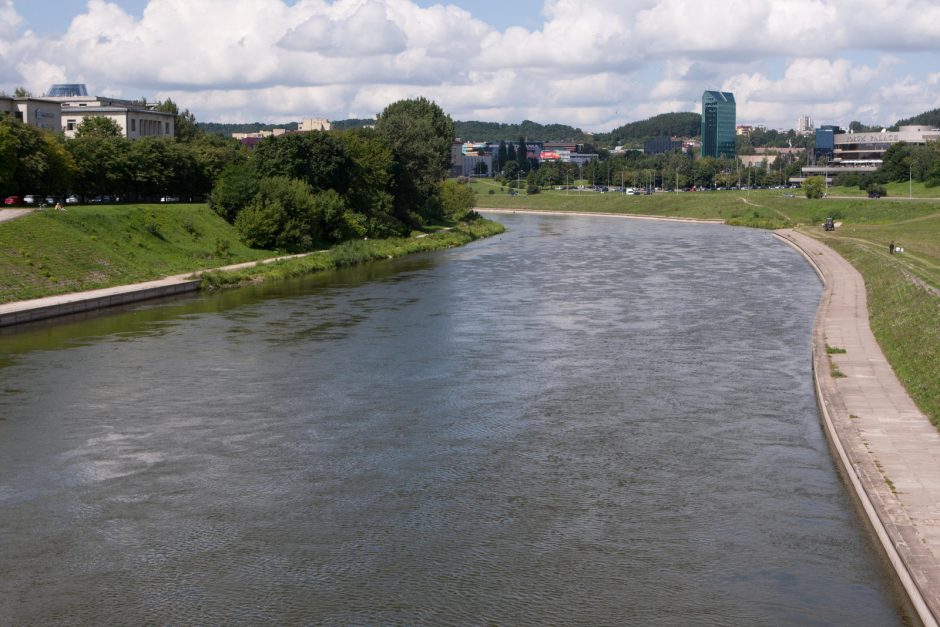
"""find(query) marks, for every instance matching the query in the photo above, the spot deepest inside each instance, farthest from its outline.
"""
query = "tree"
(98, 126)
(21, 92)
(101, 163)
(522, 155)
(457, 199)
(234, 189)
(185, 128)
(420, 135)
(281, 216)
(369, 179)
(31, 160)
(813, 186)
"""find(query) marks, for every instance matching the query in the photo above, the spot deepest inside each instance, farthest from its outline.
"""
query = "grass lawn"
(88, 247)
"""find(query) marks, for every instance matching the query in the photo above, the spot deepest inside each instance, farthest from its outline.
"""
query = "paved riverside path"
(9, 214)
(887, 448)
(19, 312)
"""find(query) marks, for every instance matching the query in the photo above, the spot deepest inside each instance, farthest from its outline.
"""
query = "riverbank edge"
(604, 214)
(34, 310)
(859, 469)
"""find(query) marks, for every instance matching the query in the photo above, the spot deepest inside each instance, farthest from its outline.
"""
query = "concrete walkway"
(888, 450)
(9, 214)
(23, 311)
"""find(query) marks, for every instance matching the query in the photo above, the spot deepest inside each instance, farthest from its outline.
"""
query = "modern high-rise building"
(718, 124)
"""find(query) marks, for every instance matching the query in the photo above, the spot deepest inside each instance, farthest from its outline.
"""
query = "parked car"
(12, 200)
(29, 199)
(71, 200)
(169, 199)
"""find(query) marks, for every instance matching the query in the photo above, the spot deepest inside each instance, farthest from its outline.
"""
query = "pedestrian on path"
(891, 247)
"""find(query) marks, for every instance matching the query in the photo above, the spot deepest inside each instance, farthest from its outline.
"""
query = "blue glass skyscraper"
(718, 124)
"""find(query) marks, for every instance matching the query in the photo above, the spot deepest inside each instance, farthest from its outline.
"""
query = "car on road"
(12, 200)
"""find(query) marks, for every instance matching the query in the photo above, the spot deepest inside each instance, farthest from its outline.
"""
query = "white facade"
(804, 126)
(314, 124)
(135, 119)
(39, 112)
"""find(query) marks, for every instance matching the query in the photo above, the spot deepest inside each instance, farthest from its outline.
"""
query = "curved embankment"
(887, 449)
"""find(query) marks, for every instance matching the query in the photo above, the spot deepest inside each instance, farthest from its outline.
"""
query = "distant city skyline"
(594, 64)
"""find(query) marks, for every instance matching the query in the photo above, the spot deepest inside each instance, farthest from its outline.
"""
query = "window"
(133, 125)
(70, 125)
(167, 128)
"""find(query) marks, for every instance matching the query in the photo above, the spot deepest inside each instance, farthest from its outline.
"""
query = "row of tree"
(99, 161)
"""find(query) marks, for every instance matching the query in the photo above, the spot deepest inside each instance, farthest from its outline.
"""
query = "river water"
(591, 421)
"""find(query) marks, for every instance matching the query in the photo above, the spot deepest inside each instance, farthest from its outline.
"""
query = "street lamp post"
(910, 180)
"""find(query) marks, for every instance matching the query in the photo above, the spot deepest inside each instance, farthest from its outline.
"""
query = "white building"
(135, 119)
(314, 124)
(42, 113)
(804, 126)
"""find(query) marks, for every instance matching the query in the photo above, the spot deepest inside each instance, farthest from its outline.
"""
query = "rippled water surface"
(584, 421)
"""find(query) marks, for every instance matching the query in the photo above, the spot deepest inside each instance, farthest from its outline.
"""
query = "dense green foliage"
(927, 118)
(88, 247)
(32, 161)
(813, 187)
(301, 191)
(663, 125)
(420, 136)
(226, 129)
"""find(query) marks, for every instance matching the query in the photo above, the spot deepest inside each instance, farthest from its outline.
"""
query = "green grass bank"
(89, 247)
(355, 252)
(903, 289)
(52, 252)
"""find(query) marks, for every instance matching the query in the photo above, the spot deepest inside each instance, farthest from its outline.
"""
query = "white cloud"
(368, 31)
(597, 63)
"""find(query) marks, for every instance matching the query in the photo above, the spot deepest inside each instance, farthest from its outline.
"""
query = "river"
(583, 421)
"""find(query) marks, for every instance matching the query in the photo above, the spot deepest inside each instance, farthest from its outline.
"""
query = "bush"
(456, 199)
(813, 186)
(532, 189)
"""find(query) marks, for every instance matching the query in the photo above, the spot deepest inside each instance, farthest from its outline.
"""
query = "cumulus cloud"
(595, 63)
(368, 31)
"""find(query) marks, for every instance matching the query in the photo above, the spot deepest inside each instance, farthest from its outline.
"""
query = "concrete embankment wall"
(41, 309)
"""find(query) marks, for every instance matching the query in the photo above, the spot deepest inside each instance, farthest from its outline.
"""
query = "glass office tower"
(718, 122)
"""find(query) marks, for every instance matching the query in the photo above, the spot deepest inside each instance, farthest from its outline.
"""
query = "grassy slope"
(905, 316)
(54, 252)
(355, 252)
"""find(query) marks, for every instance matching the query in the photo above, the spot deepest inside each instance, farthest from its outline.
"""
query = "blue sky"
(590, 63)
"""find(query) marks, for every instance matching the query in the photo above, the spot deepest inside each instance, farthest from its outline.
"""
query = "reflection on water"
(582, 421)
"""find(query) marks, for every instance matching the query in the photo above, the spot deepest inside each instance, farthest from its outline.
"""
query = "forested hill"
(684, 124)
(928, 118)
(224, 128)
(496, 131)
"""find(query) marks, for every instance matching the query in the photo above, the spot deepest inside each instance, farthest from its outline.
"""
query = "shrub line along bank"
(347, 254)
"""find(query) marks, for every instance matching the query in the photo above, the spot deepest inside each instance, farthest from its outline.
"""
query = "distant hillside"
(928, 118)
(684, 124)
(222, 128)
(342, 125)
(496, 131)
